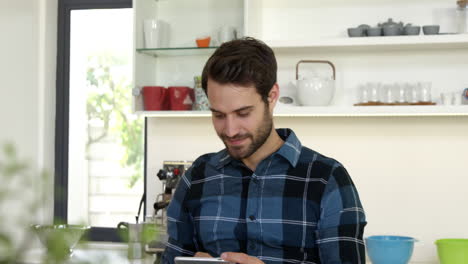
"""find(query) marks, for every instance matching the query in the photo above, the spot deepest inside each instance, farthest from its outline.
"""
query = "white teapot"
(315, 91)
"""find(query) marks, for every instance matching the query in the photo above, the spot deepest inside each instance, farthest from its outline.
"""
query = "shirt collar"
(290, 150)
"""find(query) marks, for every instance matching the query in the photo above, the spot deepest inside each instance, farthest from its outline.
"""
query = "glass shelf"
(177, 51)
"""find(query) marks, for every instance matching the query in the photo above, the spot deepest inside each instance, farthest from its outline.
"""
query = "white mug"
(155, 33)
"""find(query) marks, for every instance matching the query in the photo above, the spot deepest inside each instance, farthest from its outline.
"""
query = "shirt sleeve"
(179, 223)
(342, 221)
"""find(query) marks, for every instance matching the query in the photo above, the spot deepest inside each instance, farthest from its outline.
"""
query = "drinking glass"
(400, 93)
(363, 94)
(387, 94)
(424, 92)
(411, 93)
(373, 91)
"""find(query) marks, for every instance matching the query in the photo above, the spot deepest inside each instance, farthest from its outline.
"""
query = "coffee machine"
(169, 175)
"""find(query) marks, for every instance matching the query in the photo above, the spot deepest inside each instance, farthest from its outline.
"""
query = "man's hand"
(240, 258)
(202, 255)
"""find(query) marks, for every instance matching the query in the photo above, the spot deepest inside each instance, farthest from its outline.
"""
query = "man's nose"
(231, 127)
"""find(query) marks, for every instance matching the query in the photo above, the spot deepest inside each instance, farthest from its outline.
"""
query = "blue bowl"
(390, 249)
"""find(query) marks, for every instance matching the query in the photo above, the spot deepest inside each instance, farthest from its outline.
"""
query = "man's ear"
(273, 95)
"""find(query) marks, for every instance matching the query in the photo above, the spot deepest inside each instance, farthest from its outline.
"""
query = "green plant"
(22, 195)
(21, 188)
(109, 103)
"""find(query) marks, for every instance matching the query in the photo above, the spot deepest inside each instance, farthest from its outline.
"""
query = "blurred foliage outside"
(108, 103)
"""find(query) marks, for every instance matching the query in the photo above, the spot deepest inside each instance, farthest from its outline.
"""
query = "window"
(99, 143)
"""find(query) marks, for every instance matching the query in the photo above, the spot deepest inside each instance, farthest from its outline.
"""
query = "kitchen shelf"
(445, 41)
(336, 111)
(177, 51)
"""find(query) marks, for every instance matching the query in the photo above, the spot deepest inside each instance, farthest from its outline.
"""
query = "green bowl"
(452, 251)
(60, 239)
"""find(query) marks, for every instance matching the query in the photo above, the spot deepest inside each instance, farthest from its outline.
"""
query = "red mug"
(181, 98)
(155, 98)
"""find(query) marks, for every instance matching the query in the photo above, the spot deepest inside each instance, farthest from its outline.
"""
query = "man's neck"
(272, 144)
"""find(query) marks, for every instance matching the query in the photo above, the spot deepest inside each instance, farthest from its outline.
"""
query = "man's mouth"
(235, 141)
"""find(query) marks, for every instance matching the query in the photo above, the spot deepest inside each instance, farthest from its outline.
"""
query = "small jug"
(133, 234)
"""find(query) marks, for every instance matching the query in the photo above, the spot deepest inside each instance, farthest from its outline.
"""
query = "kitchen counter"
(95, 252)
(105, 252)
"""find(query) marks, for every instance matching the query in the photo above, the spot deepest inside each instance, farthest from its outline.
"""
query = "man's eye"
(218, 116)
(243, 114)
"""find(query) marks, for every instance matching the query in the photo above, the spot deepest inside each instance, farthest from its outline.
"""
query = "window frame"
(62, 113)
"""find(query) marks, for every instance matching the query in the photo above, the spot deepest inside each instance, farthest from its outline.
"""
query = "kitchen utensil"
(390, 249)
(155, 33)
(452, 251)
(155, 98)
(431, 29)
(411, 30)
(411, 93)
(400, 94)
(457, 98)
(315, 91)
(135, 236)
(288, 95)
(374, 31)
(390, 22)
(374, 91)
(461, 16)
(61, 239)
(203, 42)
(465, 97)
(363, 94)
(355, 32)
(364, 28)
(447, 98)
(392, 30)
(180, 98)
(386, 95)
(424, 92)
(201, 101)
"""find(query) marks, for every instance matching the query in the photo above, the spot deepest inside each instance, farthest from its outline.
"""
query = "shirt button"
(252, 218)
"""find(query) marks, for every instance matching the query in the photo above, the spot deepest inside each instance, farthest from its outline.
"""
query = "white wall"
(410, 172)
(27, 90)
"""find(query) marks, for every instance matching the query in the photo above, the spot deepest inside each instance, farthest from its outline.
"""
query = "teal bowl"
(390, 249)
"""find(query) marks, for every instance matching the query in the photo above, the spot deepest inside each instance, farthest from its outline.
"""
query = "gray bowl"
(431, 29)
(364, 27)
(374, 31)
(391, 30)
(355, 32)
(412, 30)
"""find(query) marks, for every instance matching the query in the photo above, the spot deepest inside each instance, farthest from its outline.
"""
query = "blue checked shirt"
(298, 206)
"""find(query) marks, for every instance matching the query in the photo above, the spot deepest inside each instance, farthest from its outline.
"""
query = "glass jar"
(201, 101)
(462, 16)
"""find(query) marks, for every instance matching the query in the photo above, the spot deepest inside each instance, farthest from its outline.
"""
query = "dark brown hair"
(244, 62)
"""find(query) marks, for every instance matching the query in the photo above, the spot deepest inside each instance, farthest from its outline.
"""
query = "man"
(265, 198)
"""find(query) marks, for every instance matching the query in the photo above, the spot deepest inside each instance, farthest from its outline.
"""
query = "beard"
(259, 137)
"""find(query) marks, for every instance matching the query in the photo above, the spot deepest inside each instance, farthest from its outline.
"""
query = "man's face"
(241, 119)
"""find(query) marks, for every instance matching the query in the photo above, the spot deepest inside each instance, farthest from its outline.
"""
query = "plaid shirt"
(298, 206)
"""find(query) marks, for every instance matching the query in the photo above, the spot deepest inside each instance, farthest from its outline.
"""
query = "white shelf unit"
(440, 59)
(321, 111)
(427, 42)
